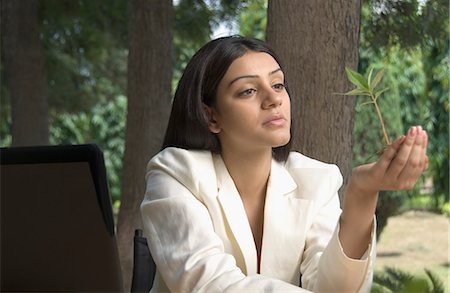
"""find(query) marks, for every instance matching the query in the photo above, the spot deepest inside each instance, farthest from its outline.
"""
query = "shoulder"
(179, 158)
(297, 160)
(307, 171)
(190, 168)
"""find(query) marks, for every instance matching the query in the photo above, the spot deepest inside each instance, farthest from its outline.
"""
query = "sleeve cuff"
(340, 266)
(369, 251)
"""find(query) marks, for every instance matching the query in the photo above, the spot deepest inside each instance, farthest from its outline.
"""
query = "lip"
(275, 120)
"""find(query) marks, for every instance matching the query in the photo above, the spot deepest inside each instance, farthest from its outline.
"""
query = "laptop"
(57, 225)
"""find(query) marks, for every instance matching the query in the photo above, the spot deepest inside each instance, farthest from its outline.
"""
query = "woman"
(229, 207)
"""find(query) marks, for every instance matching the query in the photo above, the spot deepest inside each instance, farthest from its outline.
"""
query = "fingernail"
(412, 131)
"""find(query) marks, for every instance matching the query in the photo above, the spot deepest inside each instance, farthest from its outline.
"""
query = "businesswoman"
(228, 205)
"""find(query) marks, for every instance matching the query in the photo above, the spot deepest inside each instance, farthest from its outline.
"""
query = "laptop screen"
(57, 228)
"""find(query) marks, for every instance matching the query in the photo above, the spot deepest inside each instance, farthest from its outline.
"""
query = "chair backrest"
(57, 227)
(144, 267)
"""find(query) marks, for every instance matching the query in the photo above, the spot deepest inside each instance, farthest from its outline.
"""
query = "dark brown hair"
(188, 124)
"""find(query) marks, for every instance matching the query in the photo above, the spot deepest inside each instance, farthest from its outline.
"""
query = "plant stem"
(386, 138)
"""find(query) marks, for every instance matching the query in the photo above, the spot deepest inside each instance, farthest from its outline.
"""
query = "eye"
(247, 92)
(279, 86)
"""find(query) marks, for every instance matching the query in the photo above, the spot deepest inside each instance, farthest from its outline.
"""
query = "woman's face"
(252, 108)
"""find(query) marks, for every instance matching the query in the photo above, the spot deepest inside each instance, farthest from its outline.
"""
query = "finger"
(424, 140)
(420, 144)
(401, 158)
(415, 164)
(389, 154)
(424, 152)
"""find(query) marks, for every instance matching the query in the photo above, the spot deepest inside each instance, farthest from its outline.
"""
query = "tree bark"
(149, 97)
(315, 41)
(25, 72)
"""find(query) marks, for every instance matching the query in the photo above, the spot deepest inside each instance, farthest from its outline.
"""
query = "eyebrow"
(252, 76)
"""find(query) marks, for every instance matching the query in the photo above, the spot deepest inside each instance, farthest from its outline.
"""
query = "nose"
(272, 99)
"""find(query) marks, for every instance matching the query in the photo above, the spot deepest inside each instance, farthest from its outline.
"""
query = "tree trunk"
(315, 41)
(25, 72)
(149, 96)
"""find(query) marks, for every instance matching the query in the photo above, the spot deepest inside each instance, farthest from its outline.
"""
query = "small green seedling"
(368, 87)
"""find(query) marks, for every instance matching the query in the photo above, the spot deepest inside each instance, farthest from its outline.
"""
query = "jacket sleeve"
(325, 267)
(188, 254)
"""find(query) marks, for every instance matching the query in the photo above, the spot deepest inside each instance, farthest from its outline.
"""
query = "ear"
(211, 115)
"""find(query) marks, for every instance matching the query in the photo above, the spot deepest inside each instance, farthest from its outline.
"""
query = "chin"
(282, 141)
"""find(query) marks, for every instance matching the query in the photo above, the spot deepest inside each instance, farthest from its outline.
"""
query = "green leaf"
(377, 79)
(357, 79)
(357, 92)
(366, 103)
(369, 78)
(359, 106)
(377, 94)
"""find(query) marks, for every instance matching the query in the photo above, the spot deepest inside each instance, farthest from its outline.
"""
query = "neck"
(250, 171)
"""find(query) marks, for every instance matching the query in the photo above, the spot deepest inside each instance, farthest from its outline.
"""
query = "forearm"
(357, 220)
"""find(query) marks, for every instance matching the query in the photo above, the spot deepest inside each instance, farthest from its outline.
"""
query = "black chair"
(144, 267)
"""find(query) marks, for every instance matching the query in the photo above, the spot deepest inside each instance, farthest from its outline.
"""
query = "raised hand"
(399, 167)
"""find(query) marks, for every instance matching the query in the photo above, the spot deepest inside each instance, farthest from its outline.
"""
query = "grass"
(415, 240)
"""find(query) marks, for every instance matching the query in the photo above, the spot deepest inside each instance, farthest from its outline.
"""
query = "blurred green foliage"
(86, 52)
(393, 280)
(253, 19)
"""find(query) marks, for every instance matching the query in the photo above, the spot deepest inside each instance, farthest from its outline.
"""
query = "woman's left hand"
(398, 168)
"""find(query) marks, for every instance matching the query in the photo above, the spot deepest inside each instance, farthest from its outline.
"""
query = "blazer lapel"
(285, 221)
(235, 215)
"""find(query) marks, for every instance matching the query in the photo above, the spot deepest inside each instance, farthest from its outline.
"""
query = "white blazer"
(200, 238)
